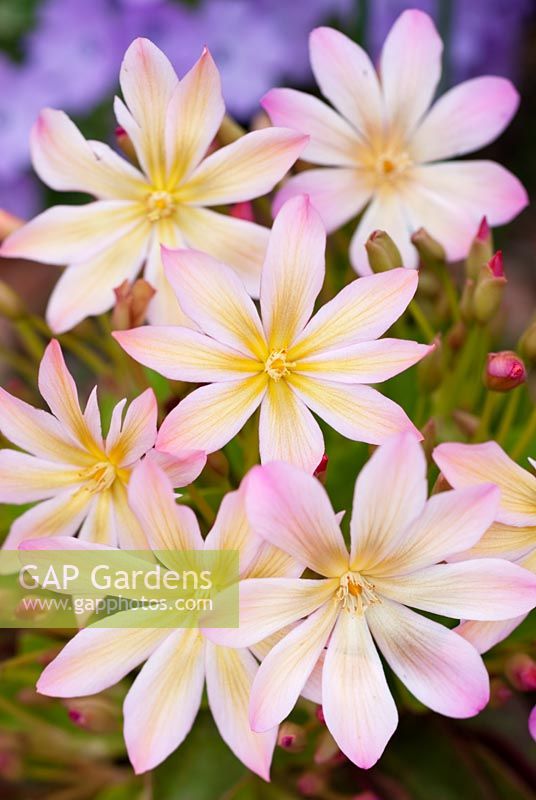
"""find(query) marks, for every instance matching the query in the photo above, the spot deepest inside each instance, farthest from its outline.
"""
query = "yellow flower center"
(159, 205)
(355, 593)
(390, 165)
(277, 366)
(99, 477)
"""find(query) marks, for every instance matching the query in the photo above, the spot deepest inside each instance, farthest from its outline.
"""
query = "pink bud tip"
(322, 467)
(484, 232)
(319, 713)
(287, 741)
(243, 210)
(77, 718)
(120, 132)
(496, 264)
(504, 371)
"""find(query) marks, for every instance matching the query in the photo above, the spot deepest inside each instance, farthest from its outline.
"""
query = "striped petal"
(25, 479)
(138, 431)
(60, 516)
(99, 526)
(485, 635)
(164, 308)
(209, 417)
(287, 429)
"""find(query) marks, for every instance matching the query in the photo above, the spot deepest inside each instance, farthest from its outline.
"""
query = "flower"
(380, 139)
(397, 541)
(171, 125)
(287, 363)
(163, 702)
(79, 478)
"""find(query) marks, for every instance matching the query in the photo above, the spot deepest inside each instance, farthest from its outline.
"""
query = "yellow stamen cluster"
(277, 366)
(99, 477)
(159, 205)
(355, 593)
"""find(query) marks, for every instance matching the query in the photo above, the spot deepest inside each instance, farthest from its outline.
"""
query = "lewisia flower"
(79, 478)
(171, 124)
(384, 147)
(397, 541)
(163, 702)
(288, 363)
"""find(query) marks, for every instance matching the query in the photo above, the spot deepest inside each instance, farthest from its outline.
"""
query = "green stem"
(421, 321)
(33, 343)
(201, 504)
(450, 291)
(490, 404)
(526, 438)
(18, 363)
(509, 415)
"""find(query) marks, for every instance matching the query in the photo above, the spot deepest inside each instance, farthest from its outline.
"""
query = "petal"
(361, 311)
(410, 68)
(291, 510)
(332, 140)
(287, 429)
(65, 234)
(346, 76)
(438, 667)
(471, 464)
(38, 432)
(502, 541)
(163, 702)
(99, 525)
(483, 589)
(359, 710)
(466, 118)
(58, 388)
(130, 534)
(92, 418)
(485, 635)
(60, 516)
(450, 523)
(64, 160)
(293, 272)
(148, 81)
(247, 168)
(357, 412)
(365, 362)
(24, 478)
(97, 658)
(193, 117)
(87, 288)
(269, 604)
(338, 194)
(232, 531)
(386, 212)
(167, 525)
(215, 298)
(164, 307)
(396, 470)
(138, 432)
(284, 672)
(236, 242)
(184, 354)
(183, 468)
(230, 674)
(209, 417)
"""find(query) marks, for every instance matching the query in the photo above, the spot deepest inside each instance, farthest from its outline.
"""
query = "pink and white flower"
(382, 147)
(161, 706)
(78, 478)
(288, 363)
(164, 200)
(365, 598)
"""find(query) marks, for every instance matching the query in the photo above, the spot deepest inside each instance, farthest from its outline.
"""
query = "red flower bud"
(243, 210)
(291, 737)
(504, 371)
(322, 468)
(496, 264)
(484, 232)
(481, 249)
(521, 672)
(125, 143)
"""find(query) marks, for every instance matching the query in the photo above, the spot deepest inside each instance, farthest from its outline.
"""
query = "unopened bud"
(326, 748)
(504, 371)
(521, 672)
(466, 422)
(383, 254)
(457, 335)
(527, 343)
(243, 210)
(430, 251)
(132, 301)
(219, 463)
(430, 370)
(11, 748)
(95, 714)
(481, 250)
(489, 289)
(500, 693)
(311, 785)
(321, 470)
(319, 714)
(11, 305)
(291, 737)
(429, 437)
(125, 143)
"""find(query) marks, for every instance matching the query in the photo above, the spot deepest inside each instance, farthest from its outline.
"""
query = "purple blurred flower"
(21, 195)
(20, 100)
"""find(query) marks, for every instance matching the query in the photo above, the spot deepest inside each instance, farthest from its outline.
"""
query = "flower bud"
(466, 422)
(504, 371)
(383, 254)
(481, 250)
(132, 300)
(489, 289)
(243, 210)
(319, 714)
(291, 737)
(500, 693)
(94, 714)
(11, 305)
(311, 785)
(521, 672)
(430, 251)
(11, 750)
(527, 343)
(321, 470)
(125, 143)
(457, 335)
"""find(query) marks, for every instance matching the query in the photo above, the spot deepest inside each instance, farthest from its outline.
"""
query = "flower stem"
(201, 504)
(509, 415)
(490, 404)
(421, 321)
(526, 438)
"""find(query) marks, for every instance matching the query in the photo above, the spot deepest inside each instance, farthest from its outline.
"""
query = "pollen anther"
(277, 366)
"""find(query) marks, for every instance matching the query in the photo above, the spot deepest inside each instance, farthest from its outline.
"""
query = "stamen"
(277, 366)
(355, 593)
(159, 205)
(99, 477)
